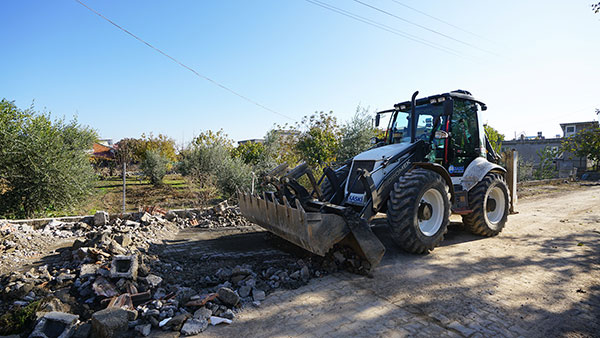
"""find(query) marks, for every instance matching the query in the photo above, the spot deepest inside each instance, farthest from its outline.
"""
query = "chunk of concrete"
(194, 326)
(110, 322)
(56, 325)
(228, 296)
(101, 218)
(124, 267)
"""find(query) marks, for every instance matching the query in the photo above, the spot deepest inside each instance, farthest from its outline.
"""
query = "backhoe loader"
(434, 160)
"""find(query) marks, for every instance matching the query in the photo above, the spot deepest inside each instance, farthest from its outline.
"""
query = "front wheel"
(418, 210)
(489, 200)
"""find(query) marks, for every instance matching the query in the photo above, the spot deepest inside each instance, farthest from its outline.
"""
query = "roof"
(587, 122)
(102, 151)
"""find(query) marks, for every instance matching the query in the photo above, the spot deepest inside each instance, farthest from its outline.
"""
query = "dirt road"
(539, 277)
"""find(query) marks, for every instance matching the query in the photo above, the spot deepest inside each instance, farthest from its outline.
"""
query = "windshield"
(399, 130)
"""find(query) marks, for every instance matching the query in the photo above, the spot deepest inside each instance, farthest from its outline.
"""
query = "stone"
(295, 275)
(63, 277)
(146, 218)
(83, 331)
(305, 273)
(244, 291)
(177, 322)
(202, 313)
(101, 218)
(144, 330)
(194, 326)
(228, 296)
(258, 295)
(88, 270)
(123, 240)
(228, 314)
(109, 322)
(124, 267)
(153, 280)
(116, 248)
(55, 324)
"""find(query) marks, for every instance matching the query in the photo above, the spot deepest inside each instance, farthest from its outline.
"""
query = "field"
(176, 192)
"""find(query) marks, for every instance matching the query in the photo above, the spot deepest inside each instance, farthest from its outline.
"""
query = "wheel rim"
(433, 202)
(497, 201)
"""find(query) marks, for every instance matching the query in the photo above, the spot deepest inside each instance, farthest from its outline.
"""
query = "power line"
(385, 27)
(185, 66)
(442, 21)
(423, 27)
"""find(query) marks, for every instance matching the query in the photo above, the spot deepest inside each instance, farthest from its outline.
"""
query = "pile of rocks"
(109, 283)
(221, 215)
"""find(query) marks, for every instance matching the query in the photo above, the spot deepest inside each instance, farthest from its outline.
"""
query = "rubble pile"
(110, 283)
(222, 215)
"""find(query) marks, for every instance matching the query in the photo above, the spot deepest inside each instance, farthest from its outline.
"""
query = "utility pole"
(124, 180)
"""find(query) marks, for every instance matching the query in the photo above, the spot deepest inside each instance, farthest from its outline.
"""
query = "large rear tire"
(489, 200)
(418, 211)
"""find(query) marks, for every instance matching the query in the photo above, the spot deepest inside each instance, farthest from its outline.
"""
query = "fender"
(476, 171)
(440, 170)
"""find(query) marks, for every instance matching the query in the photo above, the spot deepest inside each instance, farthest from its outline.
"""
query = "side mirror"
(440, 134)
(377, 120)
(374, 140)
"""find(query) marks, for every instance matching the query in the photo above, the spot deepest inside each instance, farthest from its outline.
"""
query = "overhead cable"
(185, 66)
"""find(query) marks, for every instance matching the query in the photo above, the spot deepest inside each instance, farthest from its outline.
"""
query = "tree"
(356, 135)
(128, 151)
(154, 166)
(546, 168)
(596, 7)
(319, 141)
(494, 137)
(249, 152)
(585, 143)
(162, 144)
(209, 158)
(44, 164)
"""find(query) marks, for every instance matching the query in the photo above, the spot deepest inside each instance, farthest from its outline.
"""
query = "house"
(252, 140)
(103, 152)
(529, 149)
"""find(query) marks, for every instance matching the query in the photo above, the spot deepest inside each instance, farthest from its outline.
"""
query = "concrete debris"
(113, 274)
(55, 324)
(101, 218)
(228, 296)
(218, 320)
(110, 322)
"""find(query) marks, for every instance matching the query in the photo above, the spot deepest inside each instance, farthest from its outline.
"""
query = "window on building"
(570, 129)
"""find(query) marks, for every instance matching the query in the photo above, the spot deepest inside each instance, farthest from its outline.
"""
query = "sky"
(534, 63)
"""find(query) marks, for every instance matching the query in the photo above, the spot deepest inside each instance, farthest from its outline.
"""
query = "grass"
(176, 192)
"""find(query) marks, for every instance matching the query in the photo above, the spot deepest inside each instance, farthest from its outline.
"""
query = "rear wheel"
(489, 200)
(418, 211)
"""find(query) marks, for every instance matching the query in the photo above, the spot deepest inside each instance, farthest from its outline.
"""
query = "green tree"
(44, 164)
(249, 152)
(494, 137)
(585, 143)
(161, 144)
(546, 168)
(154, 166)
(356, 135)
(209, 158)
(319, 141)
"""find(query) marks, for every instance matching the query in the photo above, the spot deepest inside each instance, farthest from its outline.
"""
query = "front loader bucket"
(316, 232)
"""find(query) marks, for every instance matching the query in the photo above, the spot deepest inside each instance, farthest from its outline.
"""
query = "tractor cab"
(450, 123)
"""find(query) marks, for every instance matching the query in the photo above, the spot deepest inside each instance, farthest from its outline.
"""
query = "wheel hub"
(425, 211)
(491, 205)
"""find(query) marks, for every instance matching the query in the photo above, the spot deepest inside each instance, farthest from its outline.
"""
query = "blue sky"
(295, 58)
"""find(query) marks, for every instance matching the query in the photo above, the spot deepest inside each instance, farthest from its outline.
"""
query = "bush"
(154, 166)
(356, 135)
(43, 164)
(212, 160)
